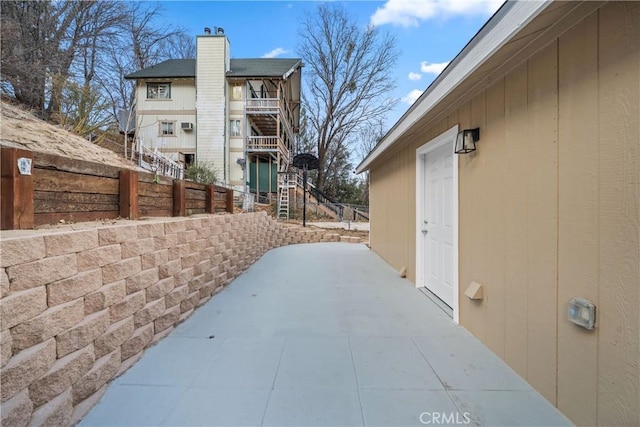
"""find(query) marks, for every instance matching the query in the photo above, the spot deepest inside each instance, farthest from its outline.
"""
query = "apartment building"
(241, 115)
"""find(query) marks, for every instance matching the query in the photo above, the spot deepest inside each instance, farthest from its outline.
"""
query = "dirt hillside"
(20, 129)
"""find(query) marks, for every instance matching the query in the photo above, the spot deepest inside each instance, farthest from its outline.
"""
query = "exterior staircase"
(149, 159)
(291, 182)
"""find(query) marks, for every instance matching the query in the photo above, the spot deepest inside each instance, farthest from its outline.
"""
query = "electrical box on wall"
(582, 312)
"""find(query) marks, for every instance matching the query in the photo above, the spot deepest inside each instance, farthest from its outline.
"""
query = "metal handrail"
(321, 197)
(159, 163)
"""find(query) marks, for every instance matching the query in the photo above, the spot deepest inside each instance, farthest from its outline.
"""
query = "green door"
(264, 176)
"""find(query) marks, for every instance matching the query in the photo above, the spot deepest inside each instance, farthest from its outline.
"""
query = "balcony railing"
(271, 106)
(267, 143)
(263, 105)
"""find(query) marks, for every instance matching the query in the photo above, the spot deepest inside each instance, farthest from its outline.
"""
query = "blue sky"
(429, 32)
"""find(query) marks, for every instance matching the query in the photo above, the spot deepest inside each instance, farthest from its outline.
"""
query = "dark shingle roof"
(169, 68)
(262, 67)
(257, 67)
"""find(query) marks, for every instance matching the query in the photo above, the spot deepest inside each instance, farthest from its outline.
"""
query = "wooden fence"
(58, 188)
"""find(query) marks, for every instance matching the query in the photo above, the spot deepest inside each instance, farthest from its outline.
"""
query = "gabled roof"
(167, 69)
(256, 67)
(263, 67)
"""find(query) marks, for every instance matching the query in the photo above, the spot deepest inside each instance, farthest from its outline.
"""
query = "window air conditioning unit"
(186, 126)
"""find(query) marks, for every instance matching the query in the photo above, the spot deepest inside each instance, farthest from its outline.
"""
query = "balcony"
(263, 105)
(265, 144)
(265, 111)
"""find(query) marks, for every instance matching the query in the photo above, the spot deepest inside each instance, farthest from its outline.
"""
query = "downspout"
(226, 133)
(246, 136)
(195, 157)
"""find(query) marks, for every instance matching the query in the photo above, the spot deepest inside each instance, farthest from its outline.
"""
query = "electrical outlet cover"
(582, 312)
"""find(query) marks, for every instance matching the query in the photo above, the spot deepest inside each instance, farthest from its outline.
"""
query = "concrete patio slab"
(301, 367)
(321, 335)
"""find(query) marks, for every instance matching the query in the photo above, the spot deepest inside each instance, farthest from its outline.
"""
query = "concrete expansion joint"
(80, 307)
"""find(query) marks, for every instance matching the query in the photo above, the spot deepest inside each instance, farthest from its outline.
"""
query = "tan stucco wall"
(549, 209)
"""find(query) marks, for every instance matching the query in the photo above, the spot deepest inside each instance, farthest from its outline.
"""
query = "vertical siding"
(493, 143)
(619, 214)
(516, 219)
(392, 232)
(472, 216)
(578, 237)
(549, 210)
(542, 221)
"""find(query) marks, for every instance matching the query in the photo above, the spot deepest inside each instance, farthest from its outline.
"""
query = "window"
(236, 91)
(234, 126)
(158, 90)
(189, 159)
(167, 128)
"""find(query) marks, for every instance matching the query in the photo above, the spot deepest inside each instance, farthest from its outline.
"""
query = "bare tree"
(179, 46)
(41, 41)
(143, 41)
(63, 59)
(30, 33)
(83, 107)
(148, 39)
(369, 137)
(348, 81)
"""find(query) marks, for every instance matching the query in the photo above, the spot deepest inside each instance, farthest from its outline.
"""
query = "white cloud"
(275, 52)
(414, 76)
(411, 97)
(409, 13)
(433, 68)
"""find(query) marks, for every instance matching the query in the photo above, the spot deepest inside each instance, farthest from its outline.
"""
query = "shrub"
(202, 172)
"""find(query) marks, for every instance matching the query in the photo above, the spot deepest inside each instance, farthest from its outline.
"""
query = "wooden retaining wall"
(59, 188)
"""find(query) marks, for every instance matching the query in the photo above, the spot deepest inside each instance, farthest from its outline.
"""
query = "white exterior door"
(437, 222)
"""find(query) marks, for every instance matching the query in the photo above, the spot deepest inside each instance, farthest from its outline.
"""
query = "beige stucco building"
(545, 210)
(240, 114)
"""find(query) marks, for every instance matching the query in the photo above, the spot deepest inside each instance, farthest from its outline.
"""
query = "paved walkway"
(321, 334)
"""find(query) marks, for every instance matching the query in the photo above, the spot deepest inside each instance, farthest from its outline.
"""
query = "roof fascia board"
(499, 30)
(292, 70)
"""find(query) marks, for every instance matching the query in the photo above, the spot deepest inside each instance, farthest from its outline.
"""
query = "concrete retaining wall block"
(79, 308)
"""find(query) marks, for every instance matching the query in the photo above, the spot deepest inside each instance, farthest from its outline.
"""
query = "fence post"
(229, 201)
(17, 189)
(209, 199)
(128, 194)
(179, 198)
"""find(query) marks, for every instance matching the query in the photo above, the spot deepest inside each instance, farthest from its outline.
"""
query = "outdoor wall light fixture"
(466, 141)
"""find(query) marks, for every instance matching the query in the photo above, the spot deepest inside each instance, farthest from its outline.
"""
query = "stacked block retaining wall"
(78, 308)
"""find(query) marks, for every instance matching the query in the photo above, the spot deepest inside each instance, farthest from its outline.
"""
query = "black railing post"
(304, 197)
